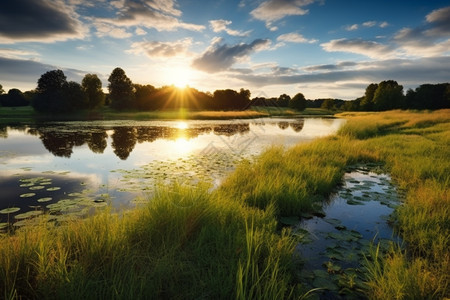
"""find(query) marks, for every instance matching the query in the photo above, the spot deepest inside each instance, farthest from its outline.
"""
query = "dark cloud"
(330, 67)
(221, 57)
(406, 72)
(26, 71)
(32, 20)
(359, 46)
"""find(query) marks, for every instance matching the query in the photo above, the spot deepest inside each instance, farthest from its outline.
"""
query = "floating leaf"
(36, 187)
(9, 210)
(29, 214)
(27, 195)
(3, 225)
(53, 189)
(45, 199)
(289, 220)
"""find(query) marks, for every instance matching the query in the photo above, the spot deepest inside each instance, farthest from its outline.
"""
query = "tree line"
(54, 94)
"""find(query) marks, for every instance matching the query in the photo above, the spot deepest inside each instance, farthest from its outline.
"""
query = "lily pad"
(55, 188)
(36, 187)
(29, 214)
(27, 195)
(9, 210)
(45, 199)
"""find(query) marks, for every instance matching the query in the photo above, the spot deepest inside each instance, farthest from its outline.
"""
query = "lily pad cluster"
(334, 254)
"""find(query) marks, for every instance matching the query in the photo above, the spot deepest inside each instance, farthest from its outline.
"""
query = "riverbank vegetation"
(190, 243)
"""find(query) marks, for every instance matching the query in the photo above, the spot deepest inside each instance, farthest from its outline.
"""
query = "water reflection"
(61, 140)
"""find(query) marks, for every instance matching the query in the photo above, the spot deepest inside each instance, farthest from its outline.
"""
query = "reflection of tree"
(3, 131)
(97, 141)
(123, 141)
(283, 125)
(297, 126)
(231, 129)
(61, 143)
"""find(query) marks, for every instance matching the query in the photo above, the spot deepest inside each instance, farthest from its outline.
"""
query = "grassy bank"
(196, 243)
(27, 114)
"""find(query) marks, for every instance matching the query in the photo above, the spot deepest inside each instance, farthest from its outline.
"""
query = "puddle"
(335, 246)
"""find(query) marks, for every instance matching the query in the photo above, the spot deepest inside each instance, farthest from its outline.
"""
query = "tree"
(92, 86)
(144, 94)
(429, 96)
(14, 98)
(121, 92)
(328, 104)
(367, 102)
(49, 93)
(74, 96)
(1, 89)
(298, 102)
(283, 100)
(388, 95)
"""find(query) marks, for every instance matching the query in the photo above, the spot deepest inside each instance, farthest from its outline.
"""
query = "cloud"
(222, 25)
(155, 49)
(274, 10)
(220, 57)
(294, 37)
(409, 72)
(331, 67)
(161, 15)
(38, 21)
(352, 27)
(17, 53)
(369, 24)
(140, 31)
(26, 71)
(359, 46)
(432, 39)
(107, 29)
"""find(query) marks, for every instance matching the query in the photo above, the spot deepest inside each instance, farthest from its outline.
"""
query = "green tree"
(283, 100)
(49, 93)
(121, 92)
(367, 101)
(1, 89)
(74, 96)
(389, 95)
(14, 98)
(92, 86)
(328, 104)
(298, 102)
(144, 95)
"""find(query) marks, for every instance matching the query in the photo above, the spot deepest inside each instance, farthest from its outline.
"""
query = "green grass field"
(192, 243)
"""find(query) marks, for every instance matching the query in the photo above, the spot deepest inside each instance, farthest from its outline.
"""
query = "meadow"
(193, 243)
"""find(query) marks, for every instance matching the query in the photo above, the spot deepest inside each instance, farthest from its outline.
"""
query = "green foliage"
(1, 89)
(121, 91)
(328, 104)
(92, 86)
(14, 98)
(388, 95)
(367, 103)
(298, 102)
(230, 99)
(429, 96)
(283, 100)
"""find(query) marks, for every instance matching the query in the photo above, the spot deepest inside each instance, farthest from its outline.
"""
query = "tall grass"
(194, 244)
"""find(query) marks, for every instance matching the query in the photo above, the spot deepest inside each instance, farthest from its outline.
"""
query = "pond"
(70, 168)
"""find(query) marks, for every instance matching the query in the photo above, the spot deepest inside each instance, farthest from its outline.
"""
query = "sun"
(180, 76)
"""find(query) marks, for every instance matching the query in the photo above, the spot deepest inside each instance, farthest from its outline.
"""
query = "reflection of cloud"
(274, 10)
(220, 57)
(42, 21)
(222, 25)
(155, 49)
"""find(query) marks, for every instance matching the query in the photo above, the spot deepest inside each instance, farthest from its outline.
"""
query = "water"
(69, 168)
(336, 246)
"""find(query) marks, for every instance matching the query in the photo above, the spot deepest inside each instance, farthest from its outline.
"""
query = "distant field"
(12, 114)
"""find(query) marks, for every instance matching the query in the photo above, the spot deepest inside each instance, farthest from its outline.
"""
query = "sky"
(321, 48)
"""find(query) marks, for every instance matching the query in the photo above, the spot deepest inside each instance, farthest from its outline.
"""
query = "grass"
(24, 114)
(196, 243)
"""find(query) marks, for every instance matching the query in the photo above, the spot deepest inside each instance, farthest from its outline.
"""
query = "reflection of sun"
(181, 125)
(183, 146)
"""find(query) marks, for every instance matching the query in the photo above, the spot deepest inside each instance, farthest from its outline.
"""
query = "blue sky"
(324, 48)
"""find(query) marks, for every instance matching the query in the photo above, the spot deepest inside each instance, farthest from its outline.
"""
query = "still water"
(68, 168)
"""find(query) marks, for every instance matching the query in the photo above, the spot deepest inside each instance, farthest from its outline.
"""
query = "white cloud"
(17, 53)
(359, 46)
(161, 15)
(222, 25)
(274, 10)
(140, 31)
(155, 49)
(294, 37)
(384, 24)
(369, 24)
(352, 27)
(107, 29)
